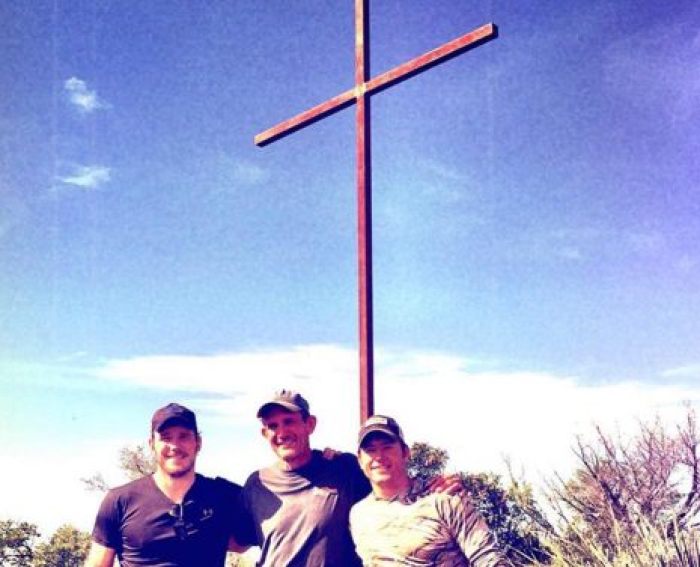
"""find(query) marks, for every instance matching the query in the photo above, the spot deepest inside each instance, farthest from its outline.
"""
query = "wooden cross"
(359, 95)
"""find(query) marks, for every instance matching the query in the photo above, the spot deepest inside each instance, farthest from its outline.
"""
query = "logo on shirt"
(324, 491)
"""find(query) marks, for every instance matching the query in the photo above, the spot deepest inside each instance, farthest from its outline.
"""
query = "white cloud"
(43, 487)
(82, 97)
(87, 176)
(477, 415)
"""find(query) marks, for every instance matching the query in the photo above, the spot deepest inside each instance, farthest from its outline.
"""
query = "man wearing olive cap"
(174, 517)
(399, 523)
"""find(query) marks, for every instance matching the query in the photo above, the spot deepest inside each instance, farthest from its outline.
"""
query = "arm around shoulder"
(100, 556)
(475, 539)
(236, 547)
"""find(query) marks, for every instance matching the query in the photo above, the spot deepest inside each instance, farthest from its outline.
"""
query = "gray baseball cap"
(287, 399)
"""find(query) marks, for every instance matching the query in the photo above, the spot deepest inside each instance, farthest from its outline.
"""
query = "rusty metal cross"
(359, 95)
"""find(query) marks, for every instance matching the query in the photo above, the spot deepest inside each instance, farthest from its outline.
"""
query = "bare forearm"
(100, 556)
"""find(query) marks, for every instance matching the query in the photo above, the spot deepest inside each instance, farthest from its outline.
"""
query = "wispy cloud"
(658, 68)
(570, 253)
(443, 171)
(12, 210)
(589, 242)
(447, 183)
(87, 176)
(687, 264)
(249, 173)
(649, 242)
(84, 99)
(437, 396)
(688, 371)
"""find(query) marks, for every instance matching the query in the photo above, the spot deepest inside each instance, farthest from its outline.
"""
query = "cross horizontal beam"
(380, 82)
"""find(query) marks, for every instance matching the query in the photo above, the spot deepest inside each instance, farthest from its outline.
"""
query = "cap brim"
(377, 429)
(174, 421)
(268, 406)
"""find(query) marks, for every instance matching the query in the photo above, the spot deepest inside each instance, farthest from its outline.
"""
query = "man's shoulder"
(129, 492)
(219, 486)
(364, 513)
(344, 463)
(348, 460)
(267, 479)
(364, 504)
(216, 482)
(340, 466)
(254, 477)
(142, 484)
(443, 504)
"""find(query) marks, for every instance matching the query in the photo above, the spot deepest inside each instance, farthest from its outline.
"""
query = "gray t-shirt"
(301, 517)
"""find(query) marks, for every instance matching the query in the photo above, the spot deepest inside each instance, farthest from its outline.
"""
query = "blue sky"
(535, 228)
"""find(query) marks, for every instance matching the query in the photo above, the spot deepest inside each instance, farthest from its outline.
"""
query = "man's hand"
(450, 484)
(236, 547)
(330, 454)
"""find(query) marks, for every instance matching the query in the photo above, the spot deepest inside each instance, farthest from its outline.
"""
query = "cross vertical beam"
(364, 210)
(360, 96)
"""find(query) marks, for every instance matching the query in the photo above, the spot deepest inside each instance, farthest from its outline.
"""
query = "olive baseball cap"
(380, 424)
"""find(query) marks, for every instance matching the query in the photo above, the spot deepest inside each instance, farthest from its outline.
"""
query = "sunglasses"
(180, 525)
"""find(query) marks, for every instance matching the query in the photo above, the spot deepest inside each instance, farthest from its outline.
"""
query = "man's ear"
(199, 442)
(406, 452)
(311, 423)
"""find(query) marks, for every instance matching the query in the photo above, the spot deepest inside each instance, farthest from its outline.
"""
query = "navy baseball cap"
(173, 414)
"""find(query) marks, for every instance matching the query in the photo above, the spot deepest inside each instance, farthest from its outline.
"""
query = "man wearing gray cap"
(399, 523)
(300, 505)
(174, 517)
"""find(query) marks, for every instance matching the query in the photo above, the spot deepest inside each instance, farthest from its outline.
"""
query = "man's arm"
(451, 484)
(100, 556)
(242, 534)
(472, 534)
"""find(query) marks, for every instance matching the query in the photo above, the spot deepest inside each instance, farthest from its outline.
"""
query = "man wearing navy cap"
(174, 517)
